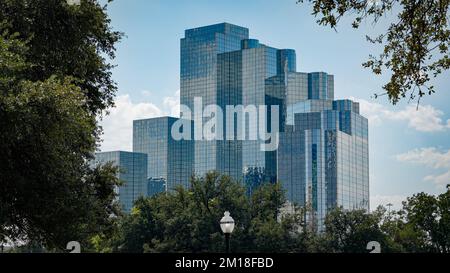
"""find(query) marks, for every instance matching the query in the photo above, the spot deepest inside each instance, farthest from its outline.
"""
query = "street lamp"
(2, 238)
(227, 226)
(389, 205)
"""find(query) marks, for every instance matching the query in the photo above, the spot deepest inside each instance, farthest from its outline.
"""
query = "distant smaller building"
(155, 186)
(133, 174)
(168, 158)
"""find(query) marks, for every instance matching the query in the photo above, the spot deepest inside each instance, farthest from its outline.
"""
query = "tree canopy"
(54, 79)
(66, 40)
(416, 44)
(187, 220)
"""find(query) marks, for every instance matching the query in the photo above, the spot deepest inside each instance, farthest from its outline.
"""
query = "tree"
(421, 226)
(350, 231)
(66, 40)
(402, 236)
(53, 80)
(416, 45)
(187, 220)
(429, 216)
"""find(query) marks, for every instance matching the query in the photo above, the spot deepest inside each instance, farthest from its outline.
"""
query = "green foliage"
(430, 217)
(48, 192)
(188, 221)
(350, 231)
(416, 45)
(66, 40)
(49, 195)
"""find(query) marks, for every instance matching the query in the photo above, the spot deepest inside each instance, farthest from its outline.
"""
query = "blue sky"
(409, 149)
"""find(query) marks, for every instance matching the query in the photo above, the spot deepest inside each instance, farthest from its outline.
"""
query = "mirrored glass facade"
(199, 50)
(167, 158)
(133, 174)
(322, 157)
(220, 64)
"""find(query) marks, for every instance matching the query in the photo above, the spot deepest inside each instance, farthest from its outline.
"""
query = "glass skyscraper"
(220, 64)
(322, 159)
(322, 156)
(132, 172)
(199, 58)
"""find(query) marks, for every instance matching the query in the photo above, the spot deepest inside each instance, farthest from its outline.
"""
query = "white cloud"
(118, 125)
(373, 111)
(432, 158)
(383, 200)
(440, 180)
(172, 104)
(425, 119)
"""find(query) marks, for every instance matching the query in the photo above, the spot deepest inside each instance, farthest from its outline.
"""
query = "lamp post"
(389, 205)
(2, 238)
(227, 226)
